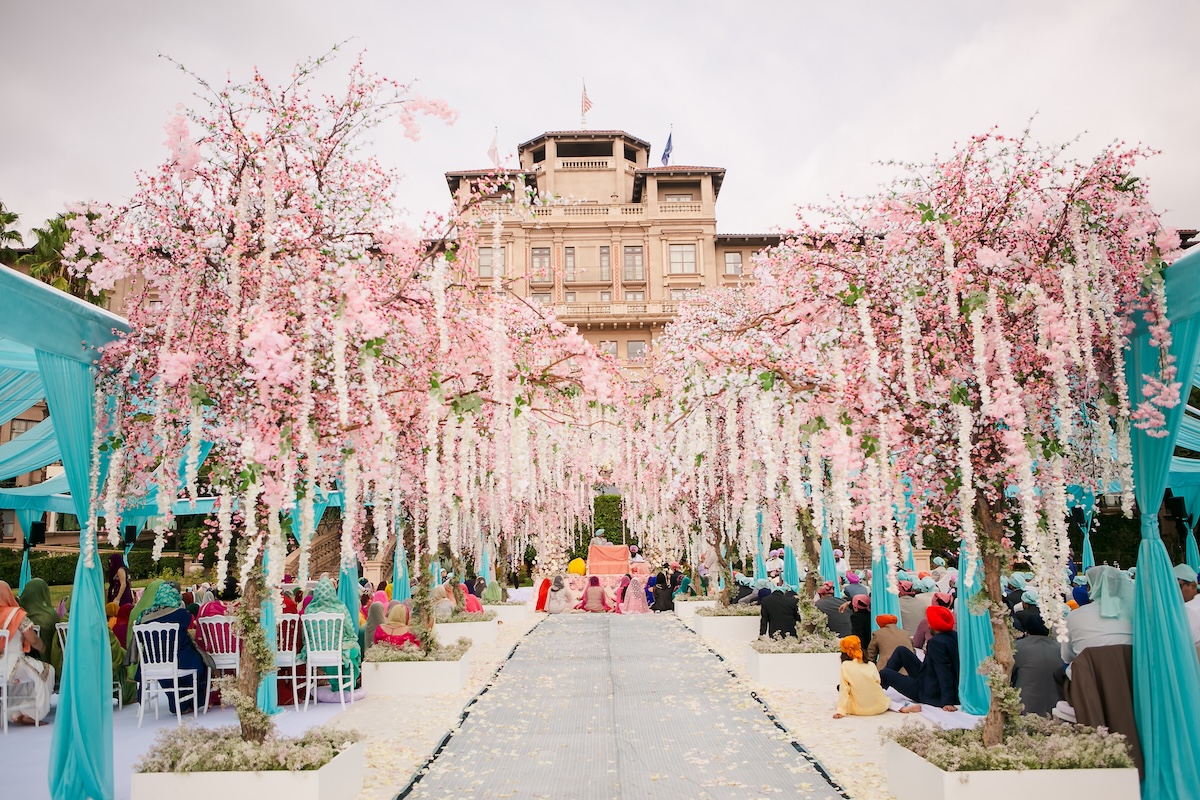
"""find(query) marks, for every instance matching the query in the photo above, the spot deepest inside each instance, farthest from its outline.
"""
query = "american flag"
(585, 105)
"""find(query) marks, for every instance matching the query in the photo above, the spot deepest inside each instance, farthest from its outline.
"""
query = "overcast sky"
(796, 100)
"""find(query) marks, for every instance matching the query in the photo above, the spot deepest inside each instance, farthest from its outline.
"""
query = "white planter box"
(743, 629)
(511, 613)
(477, 632)
(686, 610)
(416, 677)
(911, 777)
(795, 670)
(340, 779)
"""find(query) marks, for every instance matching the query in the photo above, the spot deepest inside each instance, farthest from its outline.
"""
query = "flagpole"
(583, 108)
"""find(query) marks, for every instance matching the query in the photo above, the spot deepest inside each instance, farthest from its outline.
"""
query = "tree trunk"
(993, 532)
(812, 553)
(254, 723)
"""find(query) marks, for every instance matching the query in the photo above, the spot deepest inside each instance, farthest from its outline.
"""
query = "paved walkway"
(603, 706)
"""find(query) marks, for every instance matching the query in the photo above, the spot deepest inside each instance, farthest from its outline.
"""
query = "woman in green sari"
(493, 594)
(35, 599)
(325, 601)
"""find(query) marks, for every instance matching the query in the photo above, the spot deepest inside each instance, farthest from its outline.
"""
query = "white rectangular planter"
(743, 629)
(416, 677)
(511, 613)
(340, 779)
(911, 777)
(686, 610)
(477, 632)
(795, 670)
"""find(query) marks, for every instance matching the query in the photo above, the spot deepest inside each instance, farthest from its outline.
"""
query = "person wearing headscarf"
(634, 601)
(922, 635)
(593, 597)
(375, 617)
(1030, 613)
(860, 617)
(167, 608)
(493, 593)
(561, 600)
(620, 596)
(1016, 582)
(742, 586)
(1036, 662)
(886, 638)
(933, 681)
(854, 585)
(439, 596)
(859, 691)
(685, 588)
(36, 602)
(650, 584)
(471, 603)
(110, 611)
(664, 600)
(756, 592)
(676, 576)
(325, 601)
(1186, 577)
(1107, 619)
(480, 586)
(30, 681)
(836, 617)
(395, 630)
(543, 591)
(912, 610)
(120, 591)
(939, 568)
(1080, 595)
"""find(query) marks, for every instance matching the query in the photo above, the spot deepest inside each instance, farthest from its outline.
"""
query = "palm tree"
(9, 235)
(45, 261)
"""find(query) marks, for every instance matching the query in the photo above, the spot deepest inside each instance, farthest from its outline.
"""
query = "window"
(491, 262)
(570, 297)
(683, 259)
(636, 351)
(635, 297)
(605, 265)
(540, 258)
(635, 269)
(684, 294)
(542, 298)
(679, 198)
(606, 297)
(733, 263)
(7, 518)
(19, 426)
(569, 257)
(539, 155)
(609, 348)
(630, 153)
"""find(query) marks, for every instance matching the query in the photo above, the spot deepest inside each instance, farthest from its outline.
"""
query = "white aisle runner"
(604, 706)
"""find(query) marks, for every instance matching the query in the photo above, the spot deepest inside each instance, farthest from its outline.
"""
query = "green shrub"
(58, 569)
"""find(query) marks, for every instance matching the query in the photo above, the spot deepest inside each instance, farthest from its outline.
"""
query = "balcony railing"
(614, 309)
(588, 274)
(634, 274)
(585, 163)
(680, 208)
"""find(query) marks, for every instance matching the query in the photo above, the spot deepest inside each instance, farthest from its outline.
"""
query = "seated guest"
(35, 599)
(619, 598)
(1016, 582)
(860, 616)
(1080, 595)
(685, 588)
(836, 617)
(676, 577)
(443, 605)
(854, 585)
(911, 609)
(376, 614)
(649, 591)
(471, 603)
(167, 607)
(480, 587)
(493, 593)
(30, 681)
(634, 601)
(743, 586)
(939, 568)
(1186, 576)
(934, 680)
(886, 638)
(560, 600)
(1029, 615)
(593, 597)
(634, 556)
(922, 635)
(1036, 662)
(394, 629)
(325, 601)
(757, 592)
(664, 600)
(543, 594)
(859, 691)
(1107, 619)
(779, 615)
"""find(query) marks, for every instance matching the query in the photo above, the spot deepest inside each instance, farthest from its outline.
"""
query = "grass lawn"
(59, 592)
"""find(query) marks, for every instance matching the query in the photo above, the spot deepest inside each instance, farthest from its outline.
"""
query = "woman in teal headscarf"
(325, 601)
(35, 599)
(685, 587)
(167, 608)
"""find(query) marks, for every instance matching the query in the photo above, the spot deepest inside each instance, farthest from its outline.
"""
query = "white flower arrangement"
(785, 645)
(383, 653)
(192, 748)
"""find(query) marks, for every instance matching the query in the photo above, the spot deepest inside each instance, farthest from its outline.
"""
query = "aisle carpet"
(604, 706)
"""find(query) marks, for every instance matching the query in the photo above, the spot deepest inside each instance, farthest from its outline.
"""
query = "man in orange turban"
(886, 639)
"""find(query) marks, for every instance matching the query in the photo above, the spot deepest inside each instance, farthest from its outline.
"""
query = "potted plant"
(811, 661)
(391, 670)
(686, 606)
(480, 628)
(736, 622)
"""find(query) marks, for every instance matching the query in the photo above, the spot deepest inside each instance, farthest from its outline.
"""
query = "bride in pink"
(635, 597)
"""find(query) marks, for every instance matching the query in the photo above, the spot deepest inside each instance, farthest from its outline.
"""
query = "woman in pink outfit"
(593, 597)
(635, 598)
(395, 629)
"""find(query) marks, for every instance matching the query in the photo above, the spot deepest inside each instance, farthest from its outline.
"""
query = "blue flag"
(666, 156)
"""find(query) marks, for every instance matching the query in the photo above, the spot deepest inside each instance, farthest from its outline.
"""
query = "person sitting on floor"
(911, 609)
(943, 599)
(619, 597)
(1107, 619)
(757, 592)
(779, 615)
(634, 601)
(560, 600)
(859, 691)
(30, 681)
(395, 630)
(939, 568)
(376, 615)
(1029, 614)
(886, 638)
(860, 616)
(664, 600)
(593, 597)
(836, 617)
(854, 586)
(443, 604)
(934, 680)
(1036, 662)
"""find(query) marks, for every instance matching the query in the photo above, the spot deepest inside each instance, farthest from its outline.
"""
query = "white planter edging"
(795, 670)
(510, 613)
(340, 779)
(416, 677)
(738, 628)
(911, 777)
(478, 632)
(686, 610)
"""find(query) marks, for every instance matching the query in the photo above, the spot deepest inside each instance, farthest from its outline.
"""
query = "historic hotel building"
(627, 242)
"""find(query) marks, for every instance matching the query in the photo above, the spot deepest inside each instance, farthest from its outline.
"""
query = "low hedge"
(58, 569)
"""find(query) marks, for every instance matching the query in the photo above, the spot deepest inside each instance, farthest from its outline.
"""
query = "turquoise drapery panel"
(401, 586)
(883, 599)
(791, 572)
(910, 563)
(33, 449)
(828, 565)
(975, 640)
(760, 563)
(1166, 675)
(81, 756)
(348, 591)
(19, 391)
(268, 689)
(1079, 497)
(48, 495)
(25, 518)
(319, 506)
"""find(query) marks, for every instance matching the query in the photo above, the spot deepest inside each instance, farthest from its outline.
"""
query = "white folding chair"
(6, 664)
(218, 639)
(287, 652)
(323, 648)
(60, 630)
(158, 657)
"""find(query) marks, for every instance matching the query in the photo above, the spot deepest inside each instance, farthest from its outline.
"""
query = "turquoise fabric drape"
(1166, 675)
(1089, 558)
(760, 563)
(828, 565)
(19, 391)
(81, 755)
(33, 449)
(791, 572)
(975, 640)
(319, 506)
(268, 689)
(1079, 497)
(883, 599)
(348, 591)
(26, 518)
(401, 586)
(1192, 554)
(910, 563)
